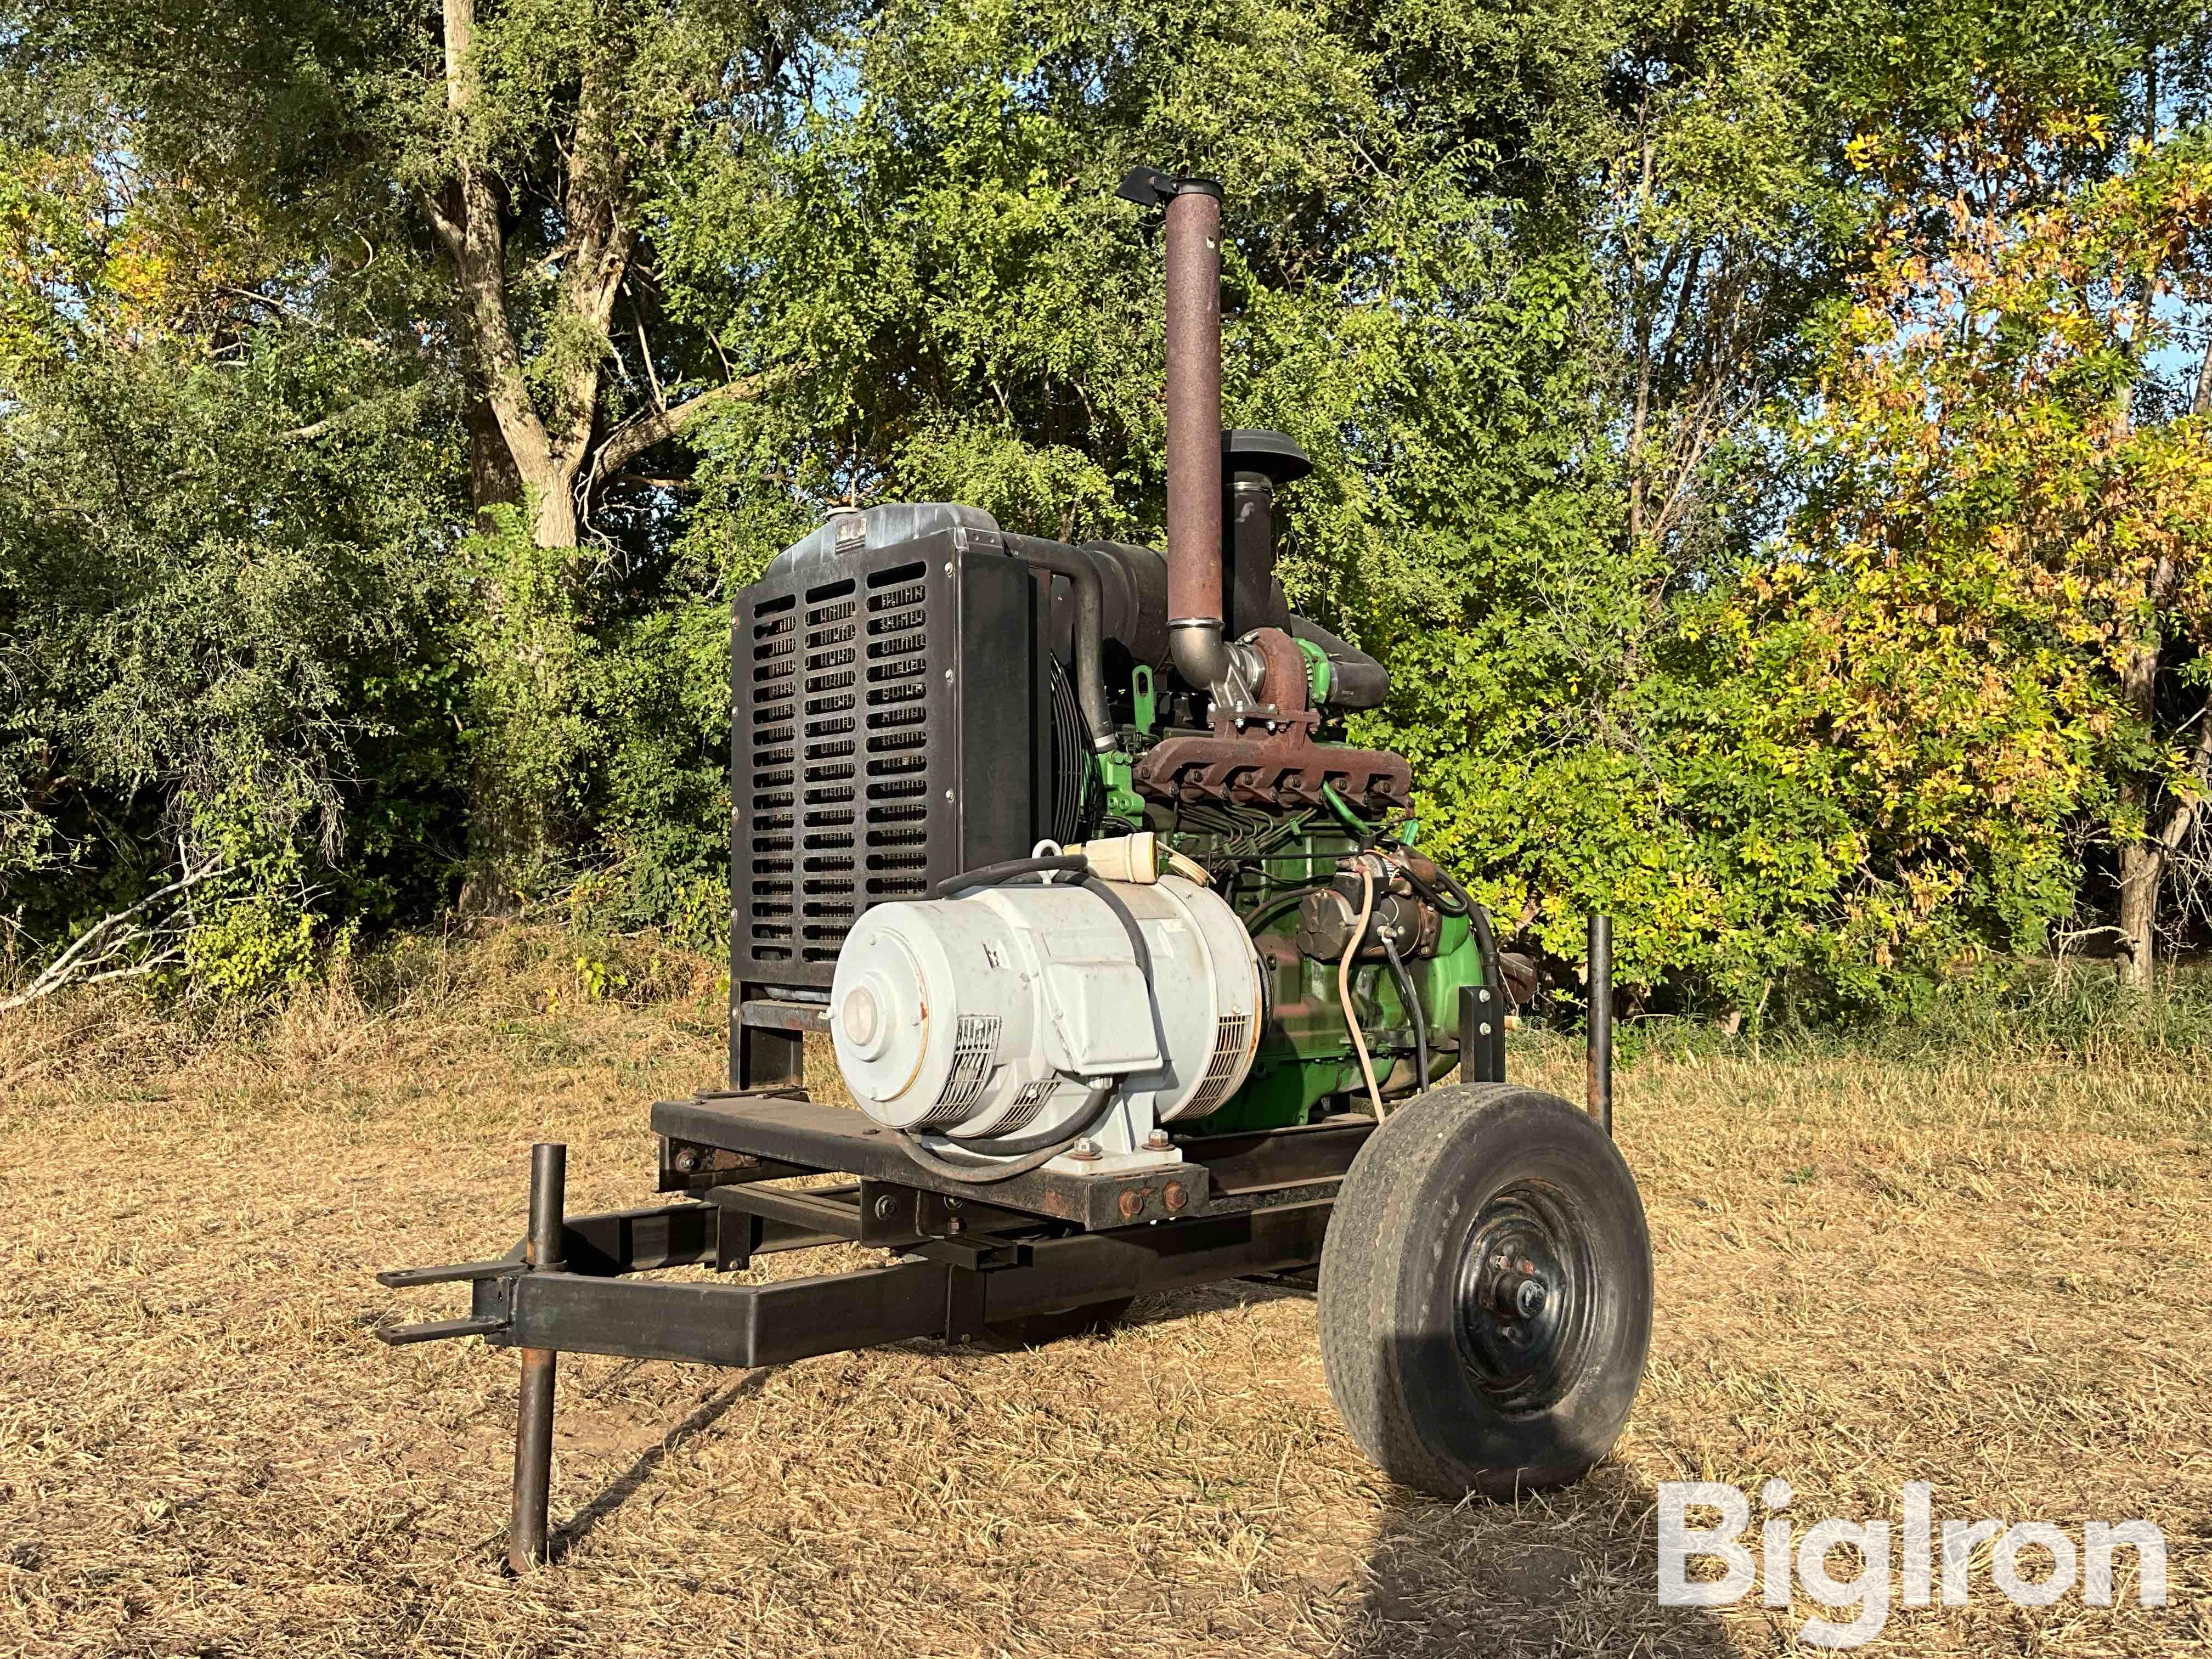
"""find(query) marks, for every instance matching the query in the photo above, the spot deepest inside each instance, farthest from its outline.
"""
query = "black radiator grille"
(898, 738)
(772, 824)
(826, 904)
(839, 759)
(888, 729)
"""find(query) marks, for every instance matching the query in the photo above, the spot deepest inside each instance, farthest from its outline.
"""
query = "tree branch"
(74, 964)
(649, 427)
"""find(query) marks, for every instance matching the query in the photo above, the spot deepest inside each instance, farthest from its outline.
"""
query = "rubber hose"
(1286, 902)
(1089, 606)
(1485, 942)
(1453, 906)
(1485, 945)
(1343, 984)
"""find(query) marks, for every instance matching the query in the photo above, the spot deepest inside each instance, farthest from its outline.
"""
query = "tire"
(1034, 1330)
(1451, 1375)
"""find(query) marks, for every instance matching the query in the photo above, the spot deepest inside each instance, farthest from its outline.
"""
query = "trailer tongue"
(1134, 980)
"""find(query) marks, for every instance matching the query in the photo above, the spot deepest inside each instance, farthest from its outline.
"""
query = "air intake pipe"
(1197, 648)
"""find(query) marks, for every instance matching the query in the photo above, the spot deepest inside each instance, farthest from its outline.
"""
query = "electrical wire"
(1343, 984)
(990, 875)
(1414, 1012)
(983, 1174)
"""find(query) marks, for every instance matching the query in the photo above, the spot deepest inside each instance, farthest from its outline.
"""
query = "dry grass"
(1993, 1278)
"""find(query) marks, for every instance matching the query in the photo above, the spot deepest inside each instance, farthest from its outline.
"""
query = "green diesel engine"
(1061, 837)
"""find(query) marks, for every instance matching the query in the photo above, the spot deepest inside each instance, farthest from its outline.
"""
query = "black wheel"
(1486, 1292)
(1034, 1330)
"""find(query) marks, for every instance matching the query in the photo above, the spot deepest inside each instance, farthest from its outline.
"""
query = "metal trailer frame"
(964, 1258)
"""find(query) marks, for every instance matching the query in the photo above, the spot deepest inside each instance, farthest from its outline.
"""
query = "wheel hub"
(1523, 1285)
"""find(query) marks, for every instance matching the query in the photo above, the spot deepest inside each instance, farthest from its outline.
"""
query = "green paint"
(1122, 800)
(1142, 698)
(1320, 677)
(1305, 1052)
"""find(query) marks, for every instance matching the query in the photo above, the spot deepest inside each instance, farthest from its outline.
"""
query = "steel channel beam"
(834, 1212)
(767, 1016)
(770, 1324)
(795, 1130)
(1269, 1160)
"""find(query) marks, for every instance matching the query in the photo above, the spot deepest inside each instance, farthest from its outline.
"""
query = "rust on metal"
(1264, 755)
(1194, 395)
(1285, 768)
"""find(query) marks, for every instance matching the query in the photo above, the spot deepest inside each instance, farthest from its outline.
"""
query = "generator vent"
(974, 1047)
(1225, 1068)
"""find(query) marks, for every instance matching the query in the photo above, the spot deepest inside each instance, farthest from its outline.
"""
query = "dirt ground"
(1992, 1278)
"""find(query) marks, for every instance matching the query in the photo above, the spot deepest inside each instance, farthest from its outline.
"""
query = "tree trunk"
(2143, 857)
(2141, 865)
(493, 479)
(539, 445)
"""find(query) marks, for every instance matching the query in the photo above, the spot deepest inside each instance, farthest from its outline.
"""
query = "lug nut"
(1529, 1299)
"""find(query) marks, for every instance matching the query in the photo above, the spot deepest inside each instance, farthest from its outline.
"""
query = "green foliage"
(1756, 551)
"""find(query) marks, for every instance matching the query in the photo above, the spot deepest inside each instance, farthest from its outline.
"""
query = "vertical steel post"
(1600, 1024)
(533, 1422)
(1481, 1035)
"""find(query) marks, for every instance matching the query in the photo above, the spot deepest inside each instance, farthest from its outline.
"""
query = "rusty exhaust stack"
(1196, 646)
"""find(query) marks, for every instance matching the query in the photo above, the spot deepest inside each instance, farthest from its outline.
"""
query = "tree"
(217, 618)
(523, 141)
(1997, 596)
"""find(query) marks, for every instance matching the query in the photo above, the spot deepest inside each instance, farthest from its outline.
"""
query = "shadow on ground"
(624, 1487)
(1567, 1572)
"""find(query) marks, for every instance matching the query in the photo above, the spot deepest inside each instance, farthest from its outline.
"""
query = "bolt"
(688, 1159)
(1484, 1029)
(885, 1204)
(1510, 1333)
(1131, 1203)
(1174, 1195)
(1156, 1141)
(953, 1224)
(955, 1203)
(1085, 1150)
(1529, 1299)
